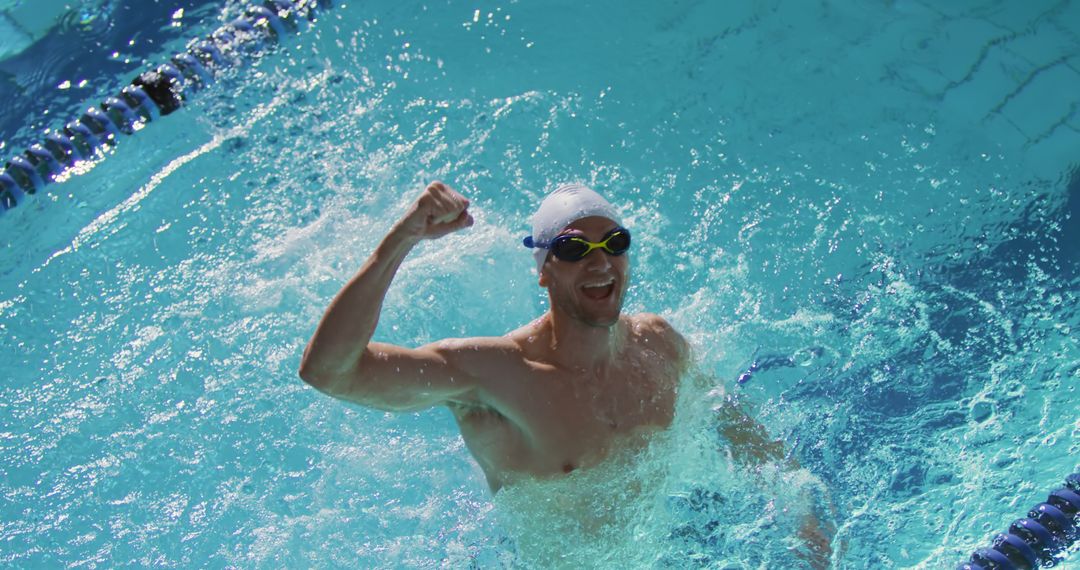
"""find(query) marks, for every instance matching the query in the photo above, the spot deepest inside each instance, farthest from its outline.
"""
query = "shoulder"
(478, 356)
(651, 323)
(652, 326)
(651, 320)
(473, 347)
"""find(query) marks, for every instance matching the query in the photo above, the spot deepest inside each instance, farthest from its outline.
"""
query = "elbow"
(311, 377)
(313, 370)
(330, 381)
(316, 377)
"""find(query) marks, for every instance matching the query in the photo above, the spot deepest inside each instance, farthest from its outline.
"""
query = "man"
(560, 393)
(555, 395)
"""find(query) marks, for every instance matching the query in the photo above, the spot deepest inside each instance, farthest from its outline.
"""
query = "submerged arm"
(751, 446)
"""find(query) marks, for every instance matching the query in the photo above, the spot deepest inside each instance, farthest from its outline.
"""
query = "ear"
(543, 279)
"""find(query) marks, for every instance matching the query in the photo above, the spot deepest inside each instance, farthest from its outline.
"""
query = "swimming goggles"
(575, 248)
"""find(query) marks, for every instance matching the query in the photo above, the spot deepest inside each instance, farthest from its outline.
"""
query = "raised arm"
(340, 358)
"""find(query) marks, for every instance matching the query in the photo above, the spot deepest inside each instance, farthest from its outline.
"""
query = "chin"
(589, 312)
(602, 316)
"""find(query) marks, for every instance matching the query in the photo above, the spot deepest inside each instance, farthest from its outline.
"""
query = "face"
(590, 290)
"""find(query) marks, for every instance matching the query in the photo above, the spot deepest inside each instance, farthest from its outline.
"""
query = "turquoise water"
(881, 197)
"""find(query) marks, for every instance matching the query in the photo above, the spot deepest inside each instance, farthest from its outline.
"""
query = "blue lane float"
(153, 94)
(1036, 541)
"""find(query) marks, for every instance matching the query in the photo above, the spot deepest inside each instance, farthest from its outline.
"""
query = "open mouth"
(599, 291)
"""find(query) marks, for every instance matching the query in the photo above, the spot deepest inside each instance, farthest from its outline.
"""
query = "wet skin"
(545, 418)
(582, 379)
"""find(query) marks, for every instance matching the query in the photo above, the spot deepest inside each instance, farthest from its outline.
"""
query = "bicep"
(396, 378)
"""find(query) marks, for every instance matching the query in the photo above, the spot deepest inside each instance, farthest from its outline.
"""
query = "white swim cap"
(567, 204)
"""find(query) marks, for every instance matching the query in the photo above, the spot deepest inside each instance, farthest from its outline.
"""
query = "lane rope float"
(1033, 542)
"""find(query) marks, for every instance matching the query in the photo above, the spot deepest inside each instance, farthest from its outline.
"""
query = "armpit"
(473, 411)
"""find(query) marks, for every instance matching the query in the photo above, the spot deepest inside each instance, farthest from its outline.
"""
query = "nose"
(597, 261)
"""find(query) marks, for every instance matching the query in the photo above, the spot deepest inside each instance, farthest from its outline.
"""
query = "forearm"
(751, 446)
(333, 358)
(347, 326)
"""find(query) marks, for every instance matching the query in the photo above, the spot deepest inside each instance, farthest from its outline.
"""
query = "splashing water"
(821, 199)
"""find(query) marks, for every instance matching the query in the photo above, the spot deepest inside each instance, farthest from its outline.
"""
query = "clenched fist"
(437, 212)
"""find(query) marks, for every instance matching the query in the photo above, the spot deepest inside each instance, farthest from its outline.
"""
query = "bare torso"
(538, 419)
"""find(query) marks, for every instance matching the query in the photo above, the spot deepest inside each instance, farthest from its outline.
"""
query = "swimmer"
(545, 399)
(557, 394)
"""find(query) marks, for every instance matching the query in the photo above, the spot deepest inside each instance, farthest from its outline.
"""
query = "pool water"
(878, 203)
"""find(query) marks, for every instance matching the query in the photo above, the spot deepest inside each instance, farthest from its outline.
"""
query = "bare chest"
(552, 422)
(568, 408)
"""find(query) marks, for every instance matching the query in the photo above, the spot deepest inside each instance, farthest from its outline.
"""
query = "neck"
(578, 345)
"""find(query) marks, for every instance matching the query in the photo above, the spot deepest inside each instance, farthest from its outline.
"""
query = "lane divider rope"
(1036, 541)
(152, 95)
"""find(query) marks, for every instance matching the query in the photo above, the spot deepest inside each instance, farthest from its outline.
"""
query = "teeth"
(600, 284)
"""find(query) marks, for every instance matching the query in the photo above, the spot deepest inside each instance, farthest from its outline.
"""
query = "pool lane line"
(1050, 528)
(150, 96)
(101, 223)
